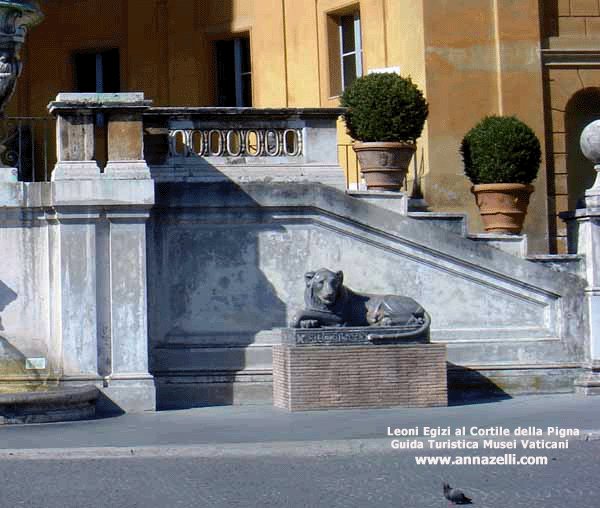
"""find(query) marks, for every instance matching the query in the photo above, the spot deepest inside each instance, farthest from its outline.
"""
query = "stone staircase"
(509, 338)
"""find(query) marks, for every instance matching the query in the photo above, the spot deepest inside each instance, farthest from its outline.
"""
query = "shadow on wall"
(7, 296)
(208, 297)
(12, 361)
(12, 365)
(468, 386)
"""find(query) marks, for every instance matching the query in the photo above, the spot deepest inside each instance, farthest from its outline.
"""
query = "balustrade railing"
(242, 143)
(218, 142)
(26, 143)
(172, 144)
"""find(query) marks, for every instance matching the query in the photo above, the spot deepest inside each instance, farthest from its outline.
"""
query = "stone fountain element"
(27, 400)
(16, 18)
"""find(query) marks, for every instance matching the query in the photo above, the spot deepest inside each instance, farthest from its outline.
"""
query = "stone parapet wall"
(73, 287)
(212, 144)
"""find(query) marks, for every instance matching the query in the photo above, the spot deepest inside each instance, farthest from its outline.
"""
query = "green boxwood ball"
(384, 107)
(501, 149)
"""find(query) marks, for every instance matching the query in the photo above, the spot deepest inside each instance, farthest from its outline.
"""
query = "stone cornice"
(245, 113)
(571, 57)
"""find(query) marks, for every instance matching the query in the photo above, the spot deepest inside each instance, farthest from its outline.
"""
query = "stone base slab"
(133, 393)
(356, 335)
(213, 389)
(391, 200)
(511, 243)
(8, 174)
(588, 383)
(75, 170)
(328, 377)
(127, 170)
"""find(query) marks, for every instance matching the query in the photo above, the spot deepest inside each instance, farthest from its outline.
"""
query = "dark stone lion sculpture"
(330, 303)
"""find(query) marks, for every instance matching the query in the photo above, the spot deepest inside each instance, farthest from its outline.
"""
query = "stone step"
(191, 359)
(571, 263)
(452, 222)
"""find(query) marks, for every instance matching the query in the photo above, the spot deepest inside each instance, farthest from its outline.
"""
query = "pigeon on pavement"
(455, 496)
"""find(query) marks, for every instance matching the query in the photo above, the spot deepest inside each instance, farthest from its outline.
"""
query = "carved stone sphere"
(590, 141)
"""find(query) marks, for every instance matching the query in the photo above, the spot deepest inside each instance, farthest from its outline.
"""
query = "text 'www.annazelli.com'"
(508, 459)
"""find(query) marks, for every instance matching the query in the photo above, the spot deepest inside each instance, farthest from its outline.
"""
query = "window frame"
(336, 54)
(356, 50)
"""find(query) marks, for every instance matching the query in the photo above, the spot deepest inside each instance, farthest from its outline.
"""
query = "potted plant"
(385, 114)
(501, 157)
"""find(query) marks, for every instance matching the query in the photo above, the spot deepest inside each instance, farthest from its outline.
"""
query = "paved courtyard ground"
(258, 456)
(368, 479)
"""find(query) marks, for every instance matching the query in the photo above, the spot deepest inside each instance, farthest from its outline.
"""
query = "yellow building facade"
(472, 58)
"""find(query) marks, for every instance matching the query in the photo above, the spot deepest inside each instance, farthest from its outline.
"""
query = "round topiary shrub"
(384, 107)
(501, 149)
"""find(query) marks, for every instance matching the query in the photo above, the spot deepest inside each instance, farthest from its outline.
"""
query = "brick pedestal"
(327, 377)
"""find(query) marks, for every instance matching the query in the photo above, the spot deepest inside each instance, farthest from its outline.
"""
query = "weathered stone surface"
(223, 265)
(125, 140)
(74, 284)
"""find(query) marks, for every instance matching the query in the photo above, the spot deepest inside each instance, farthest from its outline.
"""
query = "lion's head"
(323, 288)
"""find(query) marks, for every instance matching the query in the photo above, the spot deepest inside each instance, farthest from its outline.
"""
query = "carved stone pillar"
(74, 141)
(99, 248)
(125, 138)
(75, 135)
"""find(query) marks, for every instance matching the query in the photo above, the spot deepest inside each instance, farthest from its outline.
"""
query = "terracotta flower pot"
(503, 206)
(384, 164)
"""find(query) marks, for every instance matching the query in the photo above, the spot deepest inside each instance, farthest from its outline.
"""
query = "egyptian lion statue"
(329, 303)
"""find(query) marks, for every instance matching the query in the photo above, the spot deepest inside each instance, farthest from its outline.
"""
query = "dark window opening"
(234, 76)
(97, 72)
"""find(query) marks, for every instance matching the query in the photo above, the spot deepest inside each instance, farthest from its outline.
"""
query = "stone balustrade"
(173, 144)
(212, 144)
(235, 142)
(76, 133)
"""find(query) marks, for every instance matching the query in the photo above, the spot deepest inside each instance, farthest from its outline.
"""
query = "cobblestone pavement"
(372, 480)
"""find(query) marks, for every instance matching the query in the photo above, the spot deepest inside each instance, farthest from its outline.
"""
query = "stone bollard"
(588, 245)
